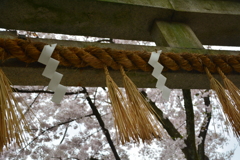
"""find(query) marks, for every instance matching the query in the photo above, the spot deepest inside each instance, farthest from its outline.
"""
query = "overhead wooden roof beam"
(214, 22)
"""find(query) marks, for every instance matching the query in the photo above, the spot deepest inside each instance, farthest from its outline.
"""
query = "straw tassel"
(228, 104)
(232, 89)
(12, 121)
(141, 112)
(123, 124)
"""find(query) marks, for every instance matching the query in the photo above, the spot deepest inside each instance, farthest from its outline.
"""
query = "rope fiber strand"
(96, 57)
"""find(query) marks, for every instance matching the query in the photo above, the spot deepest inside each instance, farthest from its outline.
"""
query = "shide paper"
(50, 72)
(153, 61)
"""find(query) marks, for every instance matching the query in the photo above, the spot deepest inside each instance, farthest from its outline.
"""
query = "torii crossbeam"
(169, 23)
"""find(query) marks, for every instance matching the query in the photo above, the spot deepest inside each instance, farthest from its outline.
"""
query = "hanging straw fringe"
(228, 104)
(123, 124)
(141, 111)
(12, 121)
(232, 89)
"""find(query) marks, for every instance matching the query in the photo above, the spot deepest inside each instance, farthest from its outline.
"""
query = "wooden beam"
(174, 35)
(213, 22)
(21, 74)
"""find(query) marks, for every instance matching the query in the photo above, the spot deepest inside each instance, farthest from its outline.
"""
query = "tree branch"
(59, 124)
(64, 135)
(204, 129)
(57, 157)
(94, 100)
(101, 123)
(88, 136)
(166, 123)
(73, 158)
(31, 104)
(42, 91)
(190, 141)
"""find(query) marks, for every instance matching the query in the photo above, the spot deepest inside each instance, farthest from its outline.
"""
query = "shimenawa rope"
(96, 57)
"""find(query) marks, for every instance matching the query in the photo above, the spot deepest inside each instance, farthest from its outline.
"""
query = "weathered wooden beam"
(174, 34)
(21, 74)
(213, 22)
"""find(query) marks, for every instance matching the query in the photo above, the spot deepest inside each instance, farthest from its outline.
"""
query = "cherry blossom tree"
(81, 127)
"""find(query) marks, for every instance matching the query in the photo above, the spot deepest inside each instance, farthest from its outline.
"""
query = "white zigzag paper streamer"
(50, 72)
(153, 61)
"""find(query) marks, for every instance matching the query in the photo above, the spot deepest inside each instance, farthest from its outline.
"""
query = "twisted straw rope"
(131, 60)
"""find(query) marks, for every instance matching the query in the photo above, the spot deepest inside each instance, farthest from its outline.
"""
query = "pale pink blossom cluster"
(71, 130)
